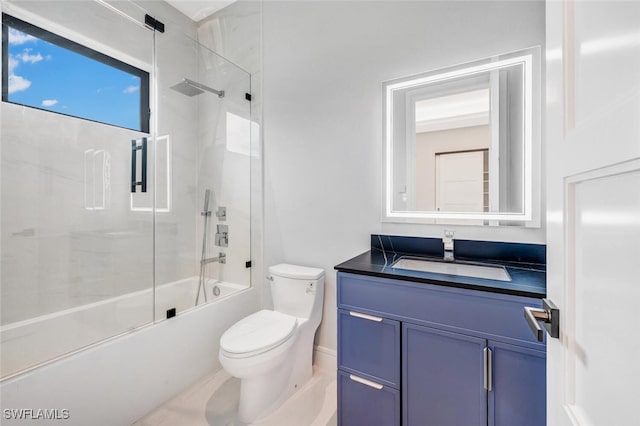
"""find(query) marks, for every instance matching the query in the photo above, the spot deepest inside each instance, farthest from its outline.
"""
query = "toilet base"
(262, 395)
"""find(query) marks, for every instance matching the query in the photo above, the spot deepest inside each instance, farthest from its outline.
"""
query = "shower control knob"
(221, 214)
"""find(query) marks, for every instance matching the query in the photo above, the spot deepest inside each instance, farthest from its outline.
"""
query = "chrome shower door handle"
(549, 315)
(143, 165)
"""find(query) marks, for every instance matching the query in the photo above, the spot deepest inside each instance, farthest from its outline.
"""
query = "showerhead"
(186, 89)
(192, 88)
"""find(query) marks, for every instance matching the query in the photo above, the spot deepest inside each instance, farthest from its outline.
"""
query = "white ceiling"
(464, 109)
(199, 9)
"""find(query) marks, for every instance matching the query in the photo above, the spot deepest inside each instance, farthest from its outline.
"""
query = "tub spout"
(222, 258)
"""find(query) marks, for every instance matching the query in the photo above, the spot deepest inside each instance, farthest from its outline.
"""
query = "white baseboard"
(325, 358)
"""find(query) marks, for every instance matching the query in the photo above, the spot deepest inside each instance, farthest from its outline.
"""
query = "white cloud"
(17, 83)
(13, 64)
(131, 89)
(49, 102)
(26, 56)
(18, 37)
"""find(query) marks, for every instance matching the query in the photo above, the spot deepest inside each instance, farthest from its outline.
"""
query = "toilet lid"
(258, 332)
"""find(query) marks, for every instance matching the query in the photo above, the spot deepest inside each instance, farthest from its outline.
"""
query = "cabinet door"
(443, 378)
(518, 391)
(362, 402)
(369, 346)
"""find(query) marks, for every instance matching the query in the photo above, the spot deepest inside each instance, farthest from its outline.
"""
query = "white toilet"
(271, 351)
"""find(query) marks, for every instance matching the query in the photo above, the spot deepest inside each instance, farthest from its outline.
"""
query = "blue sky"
(50, 77)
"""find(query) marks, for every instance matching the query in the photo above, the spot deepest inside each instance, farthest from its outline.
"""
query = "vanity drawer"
(369, 346)
(451, 308)
(365, 402)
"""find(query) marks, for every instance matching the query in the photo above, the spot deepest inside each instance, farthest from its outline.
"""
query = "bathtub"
(29, 343)
(120, 379)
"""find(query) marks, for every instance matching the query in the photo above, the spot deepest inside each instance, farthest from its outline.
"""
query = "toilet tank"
(297, 290)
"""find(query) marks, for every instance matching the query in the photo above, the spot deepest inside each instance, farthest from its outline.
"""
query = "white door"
(460, 184)
(460, 181)
(593, 211)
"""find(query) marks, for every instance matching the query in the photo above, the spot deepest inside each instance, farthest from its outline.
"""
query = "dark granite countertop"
(527, 278)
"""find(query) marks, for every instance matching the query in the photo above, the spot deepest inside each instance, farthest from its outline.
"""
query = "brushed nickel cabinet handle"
(365, 316)
(488, 367)
(366, 382)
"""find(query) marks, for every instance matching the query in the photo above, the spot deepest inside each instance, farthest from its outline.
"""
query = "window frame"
(62, 42)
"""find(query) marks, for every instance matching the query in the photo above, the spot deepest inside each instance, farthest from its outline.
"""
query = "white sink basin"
(450, 268)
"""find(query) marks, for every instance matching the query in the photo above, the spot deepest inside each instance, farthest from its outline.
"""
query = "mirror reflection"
(458, 143)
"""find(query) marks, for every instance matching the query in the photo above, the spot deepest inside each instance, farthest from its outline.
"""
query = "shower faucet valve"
(222, 236)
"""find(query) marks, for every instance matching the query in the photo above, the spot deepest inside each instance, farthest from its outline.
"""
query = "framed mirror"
(462, 144)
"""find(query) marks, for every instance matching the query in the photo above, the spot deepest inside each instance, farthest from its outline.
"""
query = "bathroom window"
(46, 71)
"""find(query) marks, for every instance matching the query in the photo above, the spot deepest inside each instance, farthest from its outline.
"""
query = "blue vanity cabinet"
(369, 370)
(443, 373)
(464, 357)
(514, 384)
(370, 347)
(363, 402)
(518, 385)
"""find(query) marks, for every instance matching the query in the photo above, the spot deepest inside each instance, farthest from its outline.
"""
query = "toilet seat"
(257, 333)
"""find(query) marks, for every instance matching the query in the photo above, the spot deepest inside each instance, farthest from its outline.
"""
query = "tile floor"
(213, 401)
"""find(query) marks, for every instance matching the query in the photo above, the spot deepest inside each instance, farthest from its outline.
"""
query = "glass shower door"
(203, 175)
(76, 249)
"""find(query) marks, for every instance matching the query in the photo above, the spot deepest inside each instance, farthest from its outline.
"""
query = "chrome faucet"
(222, 258)
(447, 241)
